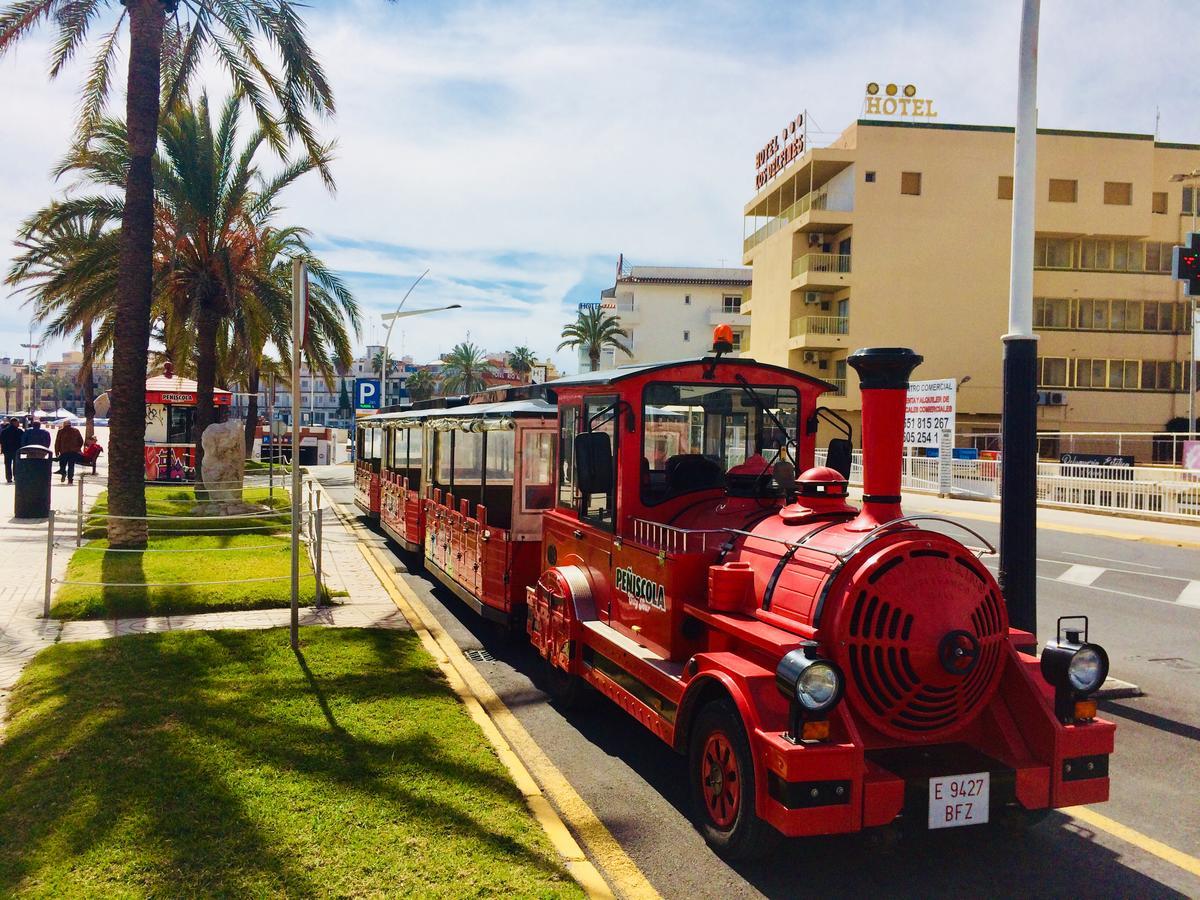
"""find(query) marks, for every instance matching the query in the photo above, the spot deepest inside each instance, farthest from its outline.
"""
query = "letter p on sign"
(366, 393)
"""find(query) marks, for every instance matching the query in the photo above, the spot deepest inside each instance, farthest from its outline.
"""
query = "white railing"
(1160, 447)
(670, 539)
(803, 325)
(818, 199)
(837, 263)
(1159, 491)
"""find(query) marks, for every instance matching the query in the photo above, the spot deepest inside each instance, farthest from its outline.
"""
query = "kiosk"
(170, 414)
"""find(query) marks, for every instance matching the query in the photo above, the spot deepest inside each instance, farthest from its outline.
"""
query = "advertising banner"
(929, 411)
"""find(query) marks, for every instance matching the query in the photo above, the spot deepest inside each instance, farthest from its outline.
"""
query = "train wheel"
(722, 777)
(567, 691)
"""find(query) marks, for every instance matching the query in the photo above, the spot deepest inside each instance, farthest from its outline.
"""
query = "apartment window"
(1004, 187)
(737, 341)
(1118, 193)
(1052, 371)
(1051, 312)
(687, 299)
(687, 335)
(910, 183)
(1188, 194)
(732, 305)
(1063, 190)
(870, 178)
(1158, 202)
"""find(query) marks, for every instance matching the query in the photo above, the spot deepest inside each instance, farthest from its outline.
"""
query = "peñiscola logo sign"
(642, 592)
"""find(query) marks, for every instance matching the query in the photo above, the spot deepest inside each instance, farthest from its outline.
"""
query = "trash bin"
(32, 477)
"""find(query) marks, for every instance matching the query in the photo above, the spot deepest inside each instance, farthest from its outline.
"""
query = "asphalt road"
(637, 787)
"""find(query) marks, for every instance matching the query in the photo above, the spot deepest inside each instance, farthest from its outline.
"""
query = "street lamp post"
(1192, 176)
(384, 367)
(33, 372)
(391, 318)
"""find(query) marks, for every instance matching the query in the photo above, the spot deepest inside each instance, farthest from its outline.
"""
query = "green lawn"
(219, 764)
(271, 558)
(180, 500)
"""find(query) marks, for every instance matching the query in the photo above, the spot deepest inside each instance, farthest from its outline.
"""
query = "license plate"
(956, 800)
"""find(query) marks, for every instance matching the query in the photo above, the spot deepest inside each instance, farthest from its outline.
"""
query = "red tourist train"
(666, 537)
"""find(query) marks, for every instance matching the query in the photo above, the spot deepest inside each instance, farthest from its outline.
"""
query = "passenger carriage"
(368, 455)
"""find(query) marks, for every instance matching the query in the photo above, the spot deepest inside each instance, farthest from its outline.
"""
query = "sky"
(516, 148)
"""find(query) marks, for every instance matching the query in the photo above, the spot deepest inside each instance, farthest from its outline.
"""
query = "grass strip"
(218, 557)
(180, 500)
(221, 764)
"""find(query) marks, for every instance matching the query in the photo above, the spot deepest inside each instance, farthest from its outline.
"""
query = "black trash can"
(32, 477)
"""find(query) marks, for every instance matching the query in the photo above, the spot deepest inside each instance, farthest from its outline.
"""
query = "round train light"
(814, 684)
(1088, 669)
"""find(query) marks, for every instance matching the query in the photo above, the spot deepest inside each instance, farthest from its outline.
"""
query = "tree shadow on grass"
(219, 763)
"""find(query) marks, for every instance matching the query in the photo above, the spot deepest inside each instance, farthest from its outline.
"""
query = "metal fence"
(1159, 491)
(1147, 448)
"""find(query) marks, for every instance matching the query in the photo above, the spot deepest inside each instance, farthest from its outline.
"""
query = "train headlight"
(812, 686)
(1074, 667)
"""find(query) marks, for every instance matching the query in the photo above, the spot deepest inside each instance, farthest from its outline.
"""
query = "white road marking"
(1190, 595)
(1081, 575)
(1123, 562)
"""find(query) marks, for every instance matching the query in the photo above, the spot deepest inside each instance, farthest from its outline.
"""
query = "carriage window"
(568, 423)
(399, 455)
(537, 466)
(599, 416)
(441, 457)
(705, 437)
(500, 456)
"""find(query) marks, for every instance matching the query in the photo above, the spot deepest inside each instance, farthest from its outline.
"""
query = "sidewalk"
(23, 632)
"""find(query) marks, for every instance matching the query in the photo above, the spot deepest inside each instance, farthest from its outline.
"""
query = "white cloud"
(565, 133)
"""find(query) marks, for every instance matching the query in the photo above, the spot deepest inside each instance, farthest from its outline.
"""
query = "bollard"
(320, 590)
(79, 514)
(49, 562)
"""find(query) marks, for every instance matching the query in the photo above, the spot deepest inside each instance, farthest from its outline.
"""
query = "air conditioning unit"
(811, 298)
(811, 356)
(815, 240)
(1051, 398)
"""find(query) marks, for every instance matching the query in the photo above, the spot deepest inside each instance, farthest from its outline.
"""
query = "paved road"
(636, 785)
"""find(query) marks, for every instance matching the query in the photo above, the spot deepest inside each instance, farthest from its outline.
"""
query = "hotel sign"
(893, 100)
(780, 150)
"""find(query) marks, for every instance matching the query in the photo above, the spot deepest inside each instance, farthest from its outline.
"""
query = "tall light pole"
(1018, 423)
(32, 368)
(391, 318)
(384, 367)
(1192, 176)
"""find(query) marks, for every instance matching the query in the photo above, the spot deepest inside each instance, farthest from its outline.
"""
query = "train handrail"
(878, 531)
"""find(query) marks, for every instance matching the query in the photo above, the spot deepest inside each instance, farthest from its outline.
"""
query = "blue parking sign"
(366, 393)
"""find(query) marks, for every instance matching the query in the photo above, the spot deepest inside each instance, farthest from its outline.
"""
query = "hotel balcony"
(812, 212)
(626, 311)
(819, 333)
(821, 270)
(839, 387)
(737, 319)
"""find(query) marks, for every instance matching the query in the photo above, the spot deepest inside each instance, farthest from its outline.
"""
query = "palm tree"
(592, 331)
(160, 46)
(420, 385)
(522, 360)
(464, 368)
(8, 384)
(377, 364)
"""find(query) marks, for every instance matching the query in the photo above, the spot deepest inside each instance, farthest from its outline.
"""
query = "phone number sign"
(928, 412)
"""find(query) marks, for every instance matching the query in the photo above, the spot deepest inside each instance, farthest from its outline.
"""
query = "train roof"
(620, 373)
(504, 409)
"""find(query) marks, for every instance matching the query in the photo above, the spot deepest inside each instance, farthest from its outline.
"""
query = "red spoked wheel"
(722, 776)
(722, 780)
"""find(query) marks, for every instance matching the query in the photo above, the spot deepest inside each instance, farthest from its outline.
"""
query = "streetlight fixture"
(32, 368)
(391, 318)
(1191, 176)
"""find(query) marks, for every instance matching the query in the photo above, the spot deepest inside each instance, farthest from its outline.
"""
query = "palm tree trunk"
(131, 335)
(251, 409)
(208, 321)
(87, 382)
(594, 357)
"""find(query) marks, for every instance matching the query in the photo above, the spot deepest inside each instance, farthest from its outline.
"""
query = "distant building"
(323, 404)
(670, 311)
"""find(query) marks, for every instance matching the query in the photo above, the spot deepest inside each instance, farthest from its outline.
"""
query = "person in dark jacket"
(67, 445)
(10, 444)
(35, 441)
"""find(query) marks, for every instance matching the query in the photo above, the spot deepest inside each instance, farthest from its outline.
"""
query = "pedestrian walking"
(10, 444)
(35, 440)
(67, 445)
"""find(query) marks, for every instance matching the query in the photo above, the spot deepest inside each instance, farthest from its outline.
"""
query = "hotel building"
(670, 311)
(898, 234)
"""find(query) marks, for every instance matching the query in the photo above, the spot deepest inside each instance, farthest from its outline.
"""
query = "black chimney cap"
(884, 368)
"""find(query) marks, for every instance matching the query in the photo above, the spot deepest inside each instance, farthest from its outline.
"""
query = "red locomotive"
(667, 538)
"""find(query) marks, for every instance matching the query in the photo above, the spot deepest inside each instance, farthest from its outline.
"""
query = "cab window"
(703, 436)
(599, 417)
(568, 422)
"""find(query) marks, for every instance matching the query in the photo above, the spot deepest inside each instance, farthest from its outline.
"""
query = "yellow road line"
(1156, 848)
(517, 749)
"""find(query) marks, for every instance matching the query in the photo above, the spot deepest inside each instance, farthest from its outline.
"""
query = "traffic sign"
(366, 393)
(1185, 265)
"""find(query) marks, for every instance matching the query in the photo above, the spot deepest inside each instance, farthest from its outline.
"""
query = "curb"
(485, 708)
(1116, 689)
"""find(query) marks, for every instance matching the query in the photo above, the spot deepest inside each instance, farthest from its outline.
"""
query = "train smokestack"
(883, 378)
